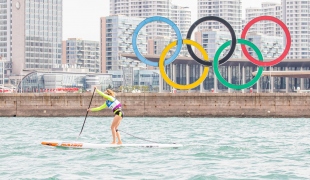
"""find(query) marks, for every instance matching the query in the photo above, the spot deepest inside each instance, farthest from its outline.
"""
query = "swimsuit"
(116, 107)
(111, 103)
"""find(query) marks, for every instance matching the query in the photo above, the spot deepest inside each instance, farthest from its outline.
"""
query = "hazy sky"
(81, 18)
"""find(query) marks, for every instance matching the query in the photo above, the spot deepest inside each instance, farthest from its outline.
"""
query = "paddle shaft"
(87, 112)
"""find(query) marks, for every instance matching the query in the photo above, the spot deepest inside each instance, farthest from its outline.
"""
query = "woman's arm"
(99, 108)
(110, 98)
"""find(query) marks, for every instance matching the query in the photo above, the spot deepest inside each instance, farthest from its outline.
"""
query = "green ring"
(220, 77)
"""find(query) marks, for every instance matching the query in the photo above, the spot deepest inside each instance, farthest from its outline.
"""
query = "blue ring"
(143, 23)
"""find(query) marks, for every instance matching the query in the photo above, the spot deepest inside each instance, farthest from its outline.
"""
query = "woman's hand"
(95, 87)
(88, 110)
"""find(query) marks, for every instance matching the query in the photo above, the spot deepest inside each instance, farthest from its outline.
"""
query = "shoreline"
(255, 105)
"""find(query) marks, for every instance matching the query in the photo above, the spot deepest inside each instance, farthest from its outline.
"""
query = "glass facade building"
(238, 72)
(283, 77)
(148, 78)
(38, 81)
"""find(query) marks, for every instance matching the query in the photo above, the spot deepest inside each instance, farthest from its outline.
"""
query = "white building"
(229, 10)
(147, 8)
(296, 16)
(243, 23)
(31, 34)
(269, 28)
(182, 17)
(272, 9)
(251, 13)
(116, 38)
(82, 54)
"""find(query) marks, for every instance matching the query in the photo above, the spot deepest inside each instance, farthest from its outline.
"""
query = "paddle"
(87, 112)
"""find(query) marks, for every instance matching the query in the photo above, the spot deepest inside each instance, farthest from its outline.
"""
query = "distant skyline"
(81, 18)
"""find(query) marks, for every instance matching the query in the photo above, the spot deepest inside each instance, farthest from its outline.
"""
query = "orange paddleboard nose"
(49, 143)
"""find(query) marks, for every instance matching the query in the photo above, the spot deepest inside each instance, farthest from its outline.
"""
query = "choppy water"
(214, 148)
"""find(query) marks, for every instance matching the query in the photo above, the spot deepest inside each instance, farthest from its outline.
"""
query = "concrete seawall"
(160, 105)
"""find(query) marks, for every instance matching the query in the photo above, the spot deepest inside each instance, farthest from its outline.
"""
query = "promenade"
(159, 104)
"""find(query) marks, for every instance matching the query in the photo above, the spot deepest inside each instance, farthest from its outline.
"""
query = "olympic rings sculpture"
(216, 62)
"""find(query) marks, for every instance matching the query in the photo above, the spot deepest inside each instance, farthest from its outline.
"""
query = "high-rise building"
(268, 28)
(116, 37)
(5, 37)
(182, 17)
(82, 54)
(230, 10)
(31, 34)
(295, 14)
(144, 9)
(243, 23)
(251, 13)
(147, 8)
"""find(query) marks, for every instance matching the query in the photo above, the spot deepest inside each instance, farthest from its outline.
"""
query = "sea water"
(214, 148)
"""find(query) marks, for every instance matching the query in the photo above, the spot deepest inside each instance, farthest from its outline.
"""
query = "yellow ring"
(165, 76)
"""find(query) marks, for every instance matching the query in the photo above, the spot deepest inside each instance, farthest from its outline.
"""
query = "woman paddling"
(112, 103)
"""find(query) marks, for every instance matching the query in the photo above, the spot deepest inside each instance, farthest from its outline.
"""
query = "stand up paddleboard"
(82, 145)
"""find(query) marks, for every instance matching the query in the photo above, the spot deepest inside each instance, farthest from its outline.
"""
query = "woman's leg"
(115, 123)
(117, 132)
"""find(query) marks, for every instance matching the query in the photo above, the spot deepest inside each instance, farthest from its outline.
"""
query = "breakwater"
(159, 104)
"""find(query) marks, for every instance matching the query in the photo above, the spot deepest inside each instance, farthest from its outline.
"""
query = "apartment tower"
(230, 10)
(81, 53)
(116, 37)
(147, 8)
(31, 34)
(296, 16)
(268, 28)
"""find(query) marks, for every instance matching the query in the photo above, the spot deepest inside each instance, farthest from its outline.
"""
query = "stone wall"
(160, 104)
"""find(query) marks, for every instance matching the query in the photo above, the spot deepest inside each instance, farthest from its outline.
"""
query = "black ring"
(233, 42)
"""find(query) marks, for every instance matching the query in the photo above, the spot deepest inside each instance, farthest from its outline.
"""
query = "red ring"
(288, 41)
